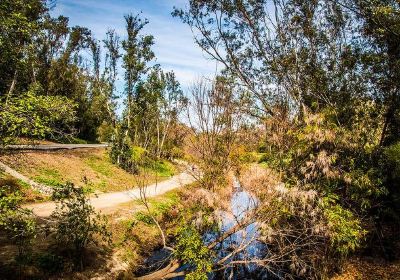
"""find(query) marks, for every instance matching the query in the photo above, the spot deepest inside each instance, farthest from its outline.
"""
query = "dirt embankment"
(92, 165)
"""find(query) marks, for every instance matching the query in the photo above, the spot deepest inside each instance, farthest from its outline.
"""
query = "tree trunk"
(13, 83)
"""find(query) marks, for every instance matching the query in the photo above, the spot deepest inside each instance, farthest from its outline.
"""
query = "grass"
(28, 194)
(162, 169)
(49, 177)
(159, 206)
(100, 165)
(77, 166)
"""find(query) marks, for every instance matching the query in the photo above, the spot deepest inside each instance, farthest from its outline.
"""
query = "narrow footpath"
(110, 200)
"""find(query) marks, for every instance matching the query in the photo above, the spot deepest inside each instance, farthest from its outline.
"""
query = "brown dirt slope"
(52, 168)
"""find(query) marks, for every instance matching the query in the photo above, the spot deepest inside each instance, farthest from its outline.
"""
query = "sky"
(174, 45)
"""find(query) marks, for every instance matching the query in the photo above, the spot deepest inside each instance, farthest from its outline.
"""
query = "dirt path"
(109, 200)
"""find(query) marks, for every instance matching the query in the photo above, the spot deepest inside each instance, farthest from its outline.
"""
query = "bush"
(307, 235)
(18, 223)
(138, 154)
(392, 154)
(191, 250)
(50, 263)
(345, 230)
(121, 152)
(77, 224)
(105, 132)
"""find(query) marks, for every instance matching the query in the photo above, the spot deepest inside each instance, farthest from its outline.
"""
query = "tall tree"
(138, 54)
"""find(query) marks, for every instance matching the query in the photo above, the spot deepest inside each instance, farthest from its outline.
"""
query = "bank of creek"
(241, 246)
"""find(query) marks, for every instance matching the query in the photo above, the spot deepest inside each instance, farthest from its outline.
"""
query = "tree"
(380, 24)
(214, 120)
(35, 115)
(19, 25)
(275, 49)
(153, 99)
(112, 45)
(322, 76)
(171, 105)
(43, 53)
(138, 54)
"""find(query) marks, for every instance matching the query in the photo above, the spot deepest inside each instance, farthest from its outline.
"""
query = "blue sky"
(174, 45)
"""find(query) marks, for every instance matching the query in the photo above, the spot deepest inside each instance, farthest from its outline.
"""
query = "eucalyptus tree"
(112, 45)
(284, 53)
(25, 106)
(137, 55)
(153, 98)
(380, 53)
(19, 24)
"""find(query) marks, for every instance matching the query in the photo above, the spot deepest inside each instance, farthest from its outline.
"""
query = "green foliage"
(390, 167)
(50, 262)
(18, 223)
(158, 207)
(191, 250)
(392, 154)
(144, 217)
(121, 152)
(76, 222)
(100, 165)
(138, 153)
(161, 168)
(135, 158)
(34, 115)
(153, 98)
(49, 177)
(346, 231)
(105, 132)
(44, 52)
(251, 157)
(72, 140)
(329, 158)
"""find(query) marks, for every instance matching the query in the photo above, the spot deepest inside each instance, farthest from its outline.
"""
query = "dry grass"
(57, 167)
(369, 269)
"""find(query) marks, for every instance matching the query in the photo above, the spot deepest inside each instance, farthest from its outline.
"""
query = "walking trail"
(110, 200)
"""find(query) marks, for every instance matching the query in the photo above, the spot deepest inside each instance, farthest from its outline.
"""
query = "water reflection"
(240, 246)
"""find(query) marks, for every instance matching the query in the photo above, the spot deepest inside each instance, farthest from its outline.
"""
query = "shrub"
(392, 154)
(105, 132)
(307, 234)
(77, 224)
(191, 250)
(346, 233)
(121, 152)
(50, 263)
(18, 223)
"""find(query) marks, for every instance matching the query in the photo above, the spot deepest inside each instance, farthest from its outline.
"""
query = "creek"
(241, 203)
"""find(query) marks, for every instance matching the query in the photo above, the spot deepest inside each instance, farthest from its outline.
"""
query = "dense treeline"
(59, 81)
(48, 89)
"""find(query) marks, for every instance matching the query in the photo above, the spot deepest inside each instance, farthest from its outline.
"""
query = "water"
(245, 241)
(242, 202)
